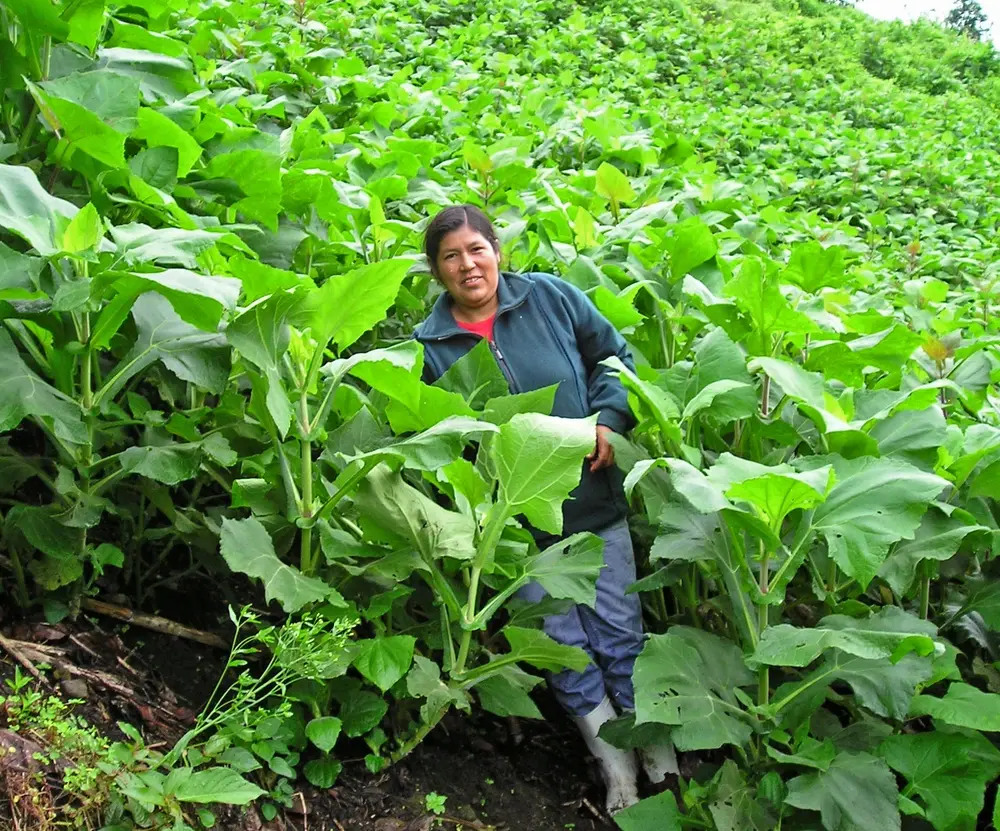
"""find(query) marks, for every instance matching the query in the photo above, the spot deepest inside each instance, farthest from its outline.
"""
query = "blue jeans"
(611, 633)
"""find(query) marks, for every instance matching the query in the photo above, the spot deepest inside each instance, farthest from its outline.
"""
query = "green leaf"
(197, 299)
(432, 449)
(475, 376)
(393, 504)
(686, 679)
(882, 635)
(39, 16)
(217, 784)
(661, 405)
(322, 773)
(813, 266)
(324, 732)
(569, 569)
(247, 548)
(539, 461)
(691, 245)
(848, 360)
(169, 464)
(362, 711)
(532, 646)
(705, 399)
(506, 693)
(84, 231)
(755, 290)
(424, 681)
(948, 771)
(349, 305)
(962, 706)
(654, 813)
(261, 335)
(689, 482)
(856, 793)
(883, 687)
(613, 185)
(938, 538)
(736, 806)
(157, 130)
(384, 660)
(191, 354)
(775, 491)
(138, 243)
(27, 210)
(24, 394)
(501, 410)
(875, 503)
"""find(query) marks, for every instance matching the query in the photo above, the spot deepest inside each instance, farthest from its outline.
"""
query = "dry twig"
(152, 622)
(18, 655)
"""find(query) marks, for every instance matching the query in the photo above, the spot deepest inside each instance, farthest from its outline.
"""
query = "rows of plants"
(211, 219)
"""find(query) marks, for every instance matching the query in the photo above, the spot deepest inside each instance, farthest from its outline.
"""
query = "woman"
(544, 331)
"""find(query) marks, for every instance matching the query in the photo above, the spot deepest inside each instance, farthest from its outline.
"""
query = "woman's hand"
(604, 454)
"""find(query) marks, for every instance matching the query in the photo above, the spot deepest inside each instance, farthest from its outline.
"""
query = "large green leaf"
(506, 693)
(384, 660)
(875, 503)
(170, 464)
(533, 646)
(691, 244)
(654, 813)
(686, 679)
(247, 548)
(884, 687)
(938, 538)
(138, 243)
(433, 448)
(857, 792)
(813, 266)
(539, 461)
(886, 633)
(390, 502)
(349, 305)
(962, 706)
(217, 784)
(191, 354)
(24, 394)
(569, 569)
(947, 771)
(476, 376)
(29, 211)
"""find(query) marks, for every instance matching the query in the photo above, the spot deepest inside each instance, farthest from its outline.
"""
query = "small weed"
(434, 803)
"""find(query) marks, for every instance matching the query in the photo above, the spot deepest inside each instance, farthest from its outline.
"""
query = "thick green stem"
(306, 507)
(763, 674)
(691, 589)
(925, 593)
(831, 576)
(487, 545)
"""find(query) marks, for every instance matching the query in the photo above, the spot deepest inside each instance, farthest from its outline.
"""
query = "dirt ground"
(528, 776)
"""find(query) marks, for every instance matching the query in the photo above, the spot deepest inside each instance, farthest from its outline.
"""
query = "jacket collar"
(512, 291)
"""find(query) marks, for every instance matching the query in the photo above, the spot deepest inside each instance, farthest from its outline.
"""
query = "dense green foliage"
(211, 220)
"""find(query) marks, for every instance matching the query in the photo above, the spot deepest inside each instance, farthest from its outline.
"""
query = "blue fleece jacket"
(548, 332)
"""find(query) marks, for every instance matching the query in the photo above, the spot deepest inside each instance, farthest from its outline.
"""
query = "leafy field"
(211, 217)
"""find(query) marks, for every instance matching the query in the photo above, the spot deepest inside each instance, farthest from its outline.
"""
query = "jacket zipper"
(502, 363)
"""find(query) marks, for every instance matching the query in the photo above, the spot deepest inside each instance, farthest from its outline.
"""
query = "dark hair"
(451, 219)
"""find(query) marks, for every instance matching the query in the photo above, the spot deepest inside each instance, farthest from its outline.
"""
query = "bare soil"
(526, 776)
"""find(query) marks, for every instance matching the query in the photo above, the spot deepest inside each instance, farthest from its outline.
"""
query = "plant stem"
(763, 674)
(925, 593)
(765, 396)
(487, 544)
(23, 598)
(306, 502)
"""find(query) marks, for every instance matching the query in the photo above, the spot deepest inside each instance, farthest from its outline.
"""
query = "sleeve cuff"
(615, 420)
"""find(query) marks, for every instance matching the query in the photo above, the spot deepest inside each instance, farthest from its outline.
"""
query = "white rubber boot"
(658, 761)
(618, 768)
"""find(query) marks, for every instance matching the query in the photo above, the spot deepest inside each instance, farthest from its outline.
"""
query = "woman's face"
(469, 267)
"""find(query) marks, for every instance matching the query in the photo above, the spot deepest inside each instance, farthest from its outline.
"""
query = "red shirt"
(484, 328)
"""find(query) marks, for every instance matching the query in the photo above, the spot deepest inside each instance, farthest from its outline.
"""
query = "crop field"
(256, 574)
